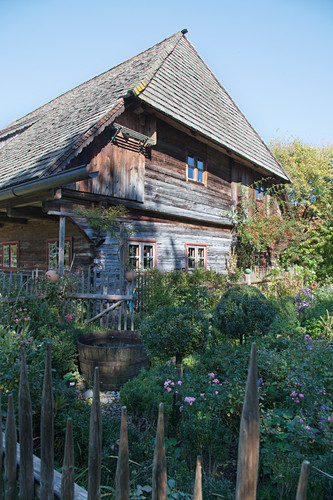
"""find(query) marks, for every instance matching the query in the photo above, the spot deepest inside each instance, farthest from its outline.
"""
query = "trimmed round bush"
(243, 311)
(174, 331)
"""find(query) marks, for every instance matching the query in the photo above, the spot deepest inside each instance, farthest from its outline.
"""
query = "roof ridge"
(159, 62)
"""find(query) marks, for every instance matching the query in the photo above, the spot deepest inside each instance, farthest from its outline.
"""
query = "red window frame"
(196, 246)
(141, 242)
(10, 243)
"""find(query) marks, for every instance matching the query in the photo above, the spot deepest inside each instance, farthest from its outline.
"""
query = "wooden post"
(248, 449)
(122, 240)
(197, 493)
(159, 481)
(303, 481)
(61, 255)
(122, 472)
(67, 477)
(25, 433)
(10, 452)
(95, 444)
(47, 432)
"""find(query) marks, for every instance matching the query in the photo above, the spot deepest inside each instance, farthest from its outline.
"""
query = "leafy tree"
(310, 195)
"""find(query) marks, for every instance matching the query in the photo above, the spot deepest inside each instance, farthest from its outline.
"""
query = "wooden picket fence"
(93, 296)
(37, 477)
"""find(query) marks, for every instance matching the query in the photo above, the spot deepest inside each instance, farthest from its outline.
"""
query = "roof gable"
(187, 90)
(170, 76)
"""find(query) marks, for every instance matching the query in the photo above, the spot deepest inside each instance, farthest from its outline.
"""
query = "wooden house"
(158, 134)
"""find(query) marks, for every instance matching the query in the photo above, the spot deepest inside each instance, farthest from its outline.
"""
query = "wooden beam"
(27, 212)
(61, 255)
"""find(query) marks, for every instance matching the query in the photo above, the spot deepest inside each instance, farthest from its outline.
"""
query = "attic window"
(196, 170)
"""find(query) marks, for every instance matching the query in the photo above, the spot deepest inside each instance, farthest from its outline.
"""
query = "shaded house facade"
(158, 134)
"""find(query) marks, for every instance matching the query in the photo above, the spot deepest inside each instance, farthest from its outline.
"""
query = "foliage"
(310, 195)
(199, 289)
(243, 311)
(174, 331)
(267, 224)
(101, 218)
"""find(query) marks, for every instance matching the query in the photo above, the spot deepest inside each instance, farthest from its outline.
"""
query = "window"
(196, 170)
(53, 253)
(260, 192)
(10, 255)
(142, 254)
(196, 256)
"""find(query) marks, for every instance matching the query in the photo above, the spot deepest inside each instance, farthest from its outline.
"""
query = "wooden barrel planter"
(118, 355)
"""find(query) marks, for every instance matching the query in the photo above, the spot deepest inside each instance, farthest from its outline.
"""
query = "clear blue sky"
(275, 58)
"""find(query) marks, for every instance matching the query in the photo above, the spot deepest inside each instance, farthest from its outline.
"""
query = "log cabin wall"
(165, 207)
(32, 240)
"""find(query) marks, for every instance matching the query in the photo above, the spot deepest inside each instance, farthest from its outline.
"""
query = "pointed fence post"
(248, 449)
(303, 481)
(25, 432)
(1, 448)
(67, 476)
(159, 481)
(95, 443)
(47, 432)
(122, 472)
(197, 493)
(10, 452)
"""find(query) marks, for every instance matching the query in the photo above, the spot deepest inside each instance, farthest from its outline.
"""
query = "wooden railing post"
(197, 493)
(67, 476)
(10, 452)
(95, 443)
(303, 481)
(159, 481)
(122, 472)
(47, 432)
(248, 449)
(25, 433)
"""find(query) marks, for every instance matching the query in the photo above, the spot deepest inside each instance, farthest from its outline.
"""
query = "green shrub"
(174, 331)
(244, 311)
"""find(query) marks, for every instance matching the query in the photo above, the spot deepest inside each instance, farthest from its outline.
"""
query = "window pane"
(147, 257)
(200, 176)
(191, 258)
(191, 173)
(134, 253)
(13, 255)
(200, 164)
(67, 254)
(5, 255)
(53, 254)
(190, 161)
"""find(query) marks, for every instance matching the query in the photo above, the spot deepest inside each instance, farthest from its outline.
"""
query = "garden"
(198, 331)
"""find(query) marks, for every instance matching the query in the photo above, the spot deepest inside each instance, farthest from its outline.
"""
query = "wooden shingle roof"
(170, 76)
